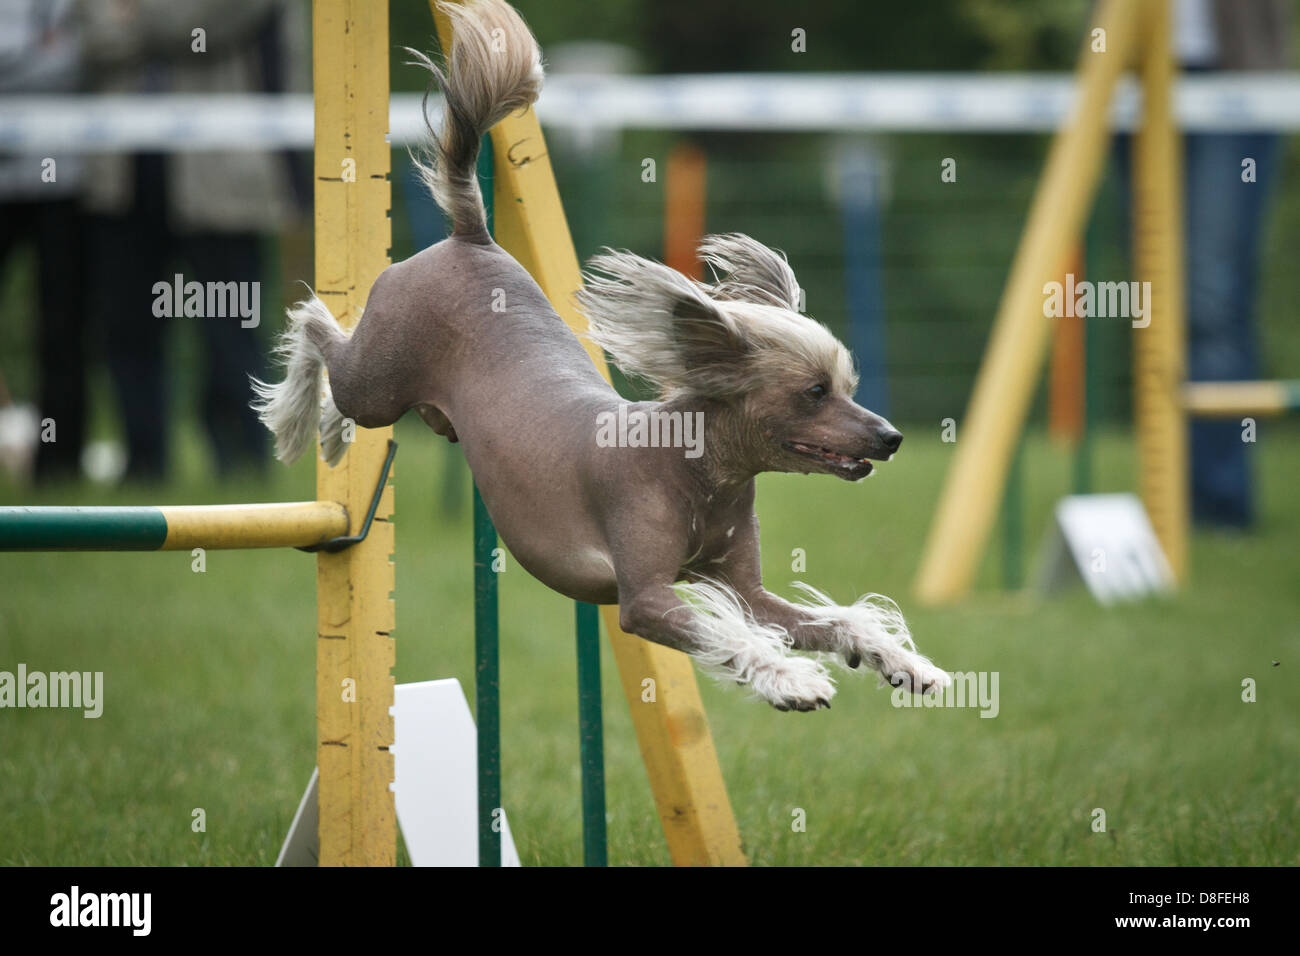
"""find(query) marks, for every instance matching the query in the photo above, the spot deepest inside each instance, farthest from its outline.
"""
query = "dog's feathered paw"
(792, 683)
(919, 676)
(872, 629)
(899, 667)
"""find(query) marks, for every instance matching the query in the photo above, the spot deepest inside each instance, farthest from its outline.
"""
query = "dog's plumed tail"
(293, 409)
(494, 68)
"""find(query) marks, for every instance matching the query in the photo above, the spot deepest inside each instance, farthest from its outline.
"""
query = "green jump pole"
(591, 739)
(487, 663)
(1091, 381)
(1013, 521)
(487, 676)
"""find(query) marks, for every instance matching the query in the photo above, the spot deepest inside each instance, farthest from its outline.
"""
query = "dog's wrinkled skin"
(672, 540)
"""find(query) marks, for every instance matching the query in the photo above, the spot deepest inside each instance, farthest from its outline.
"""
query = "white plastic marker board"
(1108, 540)
(435, 785)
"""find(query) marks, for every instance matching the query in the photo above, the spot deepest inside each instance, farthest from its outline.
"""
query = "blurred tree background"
(687, 36)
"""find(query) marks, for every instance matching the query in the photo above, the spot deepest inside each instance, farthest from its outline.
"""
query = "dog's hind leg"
(333, 440)
(291, 409)
(294, 409)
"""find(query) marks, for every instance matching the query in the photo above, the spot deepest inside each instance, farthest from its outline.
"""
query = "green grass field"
(209, 690)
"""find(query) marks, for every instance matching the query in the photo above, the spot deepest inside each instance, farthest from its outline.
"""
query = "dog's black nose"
(892, 439)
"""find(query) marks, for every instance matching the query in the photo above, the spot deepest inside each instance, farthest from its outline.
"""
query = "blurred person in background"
(200, 214)
(40, 52)
(1225, 220)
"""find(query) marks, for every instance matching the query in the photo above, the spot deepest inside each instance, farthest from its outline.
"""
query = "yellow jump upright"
(1160, 349)
(355, 654)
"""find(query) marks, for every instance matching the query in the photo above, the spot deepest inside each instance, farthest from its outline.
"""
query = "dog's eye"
(816, 393)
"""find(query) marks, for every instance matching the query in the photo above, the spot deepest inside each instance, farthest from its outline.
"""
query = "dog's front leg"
(871, 629)
(649, 538)
(710, 624)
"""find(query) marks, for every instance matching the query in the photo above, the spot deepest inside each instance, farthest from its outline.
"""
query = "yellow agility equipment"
(989, 433)
(358, 821)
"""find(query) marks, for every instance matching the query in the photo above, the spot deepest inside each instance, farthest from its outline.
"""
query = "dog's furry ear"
(750, 271)
(660, 325)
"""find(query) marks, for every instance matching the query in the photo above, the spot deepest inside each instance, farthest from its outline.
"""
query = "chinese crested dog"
(463, 335)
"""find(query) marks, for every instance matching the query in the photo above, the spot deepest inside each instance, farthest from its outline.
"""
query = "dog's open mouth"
(845, 466)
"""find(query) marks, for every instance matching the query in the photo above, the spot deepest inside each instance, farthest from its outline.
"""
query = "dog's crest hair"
(716, 340)
(493, 69)
(752, 272)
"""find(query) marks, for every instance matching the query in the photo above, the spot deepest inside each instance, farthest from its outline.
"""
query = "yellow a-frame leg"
(1004, 387)
(354, 652)
(673, 730)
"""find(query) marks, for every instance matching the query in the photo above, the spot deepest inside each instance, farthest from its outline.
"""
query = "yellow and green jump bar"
(308, 525)
(292, 524)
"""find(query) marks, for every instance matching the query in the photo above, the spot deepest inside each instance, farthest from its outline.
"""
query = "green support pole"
(1083, 451)
(1013, 522)
(487, 666)
(591, 740)
(487, 672)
